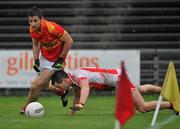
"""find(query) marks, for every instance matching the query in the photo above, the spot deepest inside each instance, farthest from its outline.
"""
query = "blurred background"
(151, 27)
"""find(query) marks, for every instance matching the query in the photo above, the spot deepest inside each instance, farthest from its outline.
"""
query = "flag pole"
(156, 111)
(124, 109)
(117, 125)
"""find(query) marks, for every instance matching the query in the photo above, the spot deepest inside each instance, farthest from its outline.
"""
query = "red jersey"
(49, 38)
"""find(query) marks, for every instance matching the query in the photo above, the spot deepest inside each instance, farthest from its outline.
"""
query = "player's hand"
(72, 112)
(59, 63)
(36, 65)
(76, 108)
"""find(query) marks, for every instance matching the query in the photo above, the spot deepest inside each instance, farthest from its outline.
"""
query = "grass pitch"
(97, 114)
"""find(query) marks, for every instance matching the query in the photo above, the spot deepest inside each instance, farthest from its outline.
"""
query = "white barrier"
(16, 65)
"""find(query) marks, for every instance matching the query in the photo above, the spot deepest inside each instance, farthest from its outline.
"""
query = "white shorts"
(45, 64)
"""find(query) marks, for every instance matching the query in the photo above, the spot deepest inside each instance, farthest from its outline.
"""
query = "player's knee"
(143, 90)
(35, 85)
(141, 109)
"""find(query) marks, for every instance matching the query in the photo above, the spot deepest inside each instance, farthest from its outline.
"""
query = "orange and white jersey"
(99, 79)
(49, 39)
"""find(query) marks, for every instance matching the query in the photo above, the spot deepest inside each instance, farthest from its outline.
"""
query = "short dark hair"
(58, 76)
(34, 11)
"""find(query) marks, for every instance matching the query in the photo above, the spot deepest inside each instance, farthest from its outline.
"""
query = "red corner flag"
(124, 102)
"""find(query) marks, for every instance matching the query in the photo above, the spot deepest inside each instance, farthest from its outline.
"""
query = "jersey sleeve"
(79, 75)
(58, 30)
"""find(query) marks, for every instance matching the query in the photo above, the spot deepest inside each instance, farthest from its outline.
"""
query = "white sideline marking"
(166, 121)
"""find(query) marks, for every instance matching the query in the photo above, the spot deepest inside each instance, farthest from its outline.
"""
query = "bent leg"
(148, 88)
(150, 106)
(143, 106)
(39, 83)
(138, 100)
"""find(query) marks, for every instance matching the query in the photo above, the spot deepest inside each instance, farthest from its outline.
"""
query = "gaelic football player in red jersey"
(84, 79)
(51, 43)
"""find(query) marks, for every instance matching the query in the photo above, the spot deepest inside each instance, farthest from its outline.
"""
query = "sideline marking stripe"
(166, 121)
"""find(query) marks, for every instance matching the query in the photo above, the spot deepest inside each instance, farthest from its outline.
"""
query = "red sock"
(24, 108)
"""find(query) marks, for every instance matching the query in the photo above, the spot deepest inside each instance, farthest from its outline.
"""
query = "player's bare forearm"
(35, 48)
(84, 93)
(79, 100)
(66, 38)
(76, 96)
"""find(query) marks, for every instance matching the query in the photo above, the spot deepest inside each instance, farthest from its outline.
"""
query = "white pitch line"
(166, 121)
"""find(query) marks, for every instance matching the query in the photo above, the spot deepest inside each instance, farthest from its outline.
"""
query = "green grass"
(97, 114)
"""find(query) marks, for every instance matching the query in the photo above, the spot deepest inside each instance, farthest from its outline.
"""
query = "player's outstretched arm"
(76, 97)
(84, 93)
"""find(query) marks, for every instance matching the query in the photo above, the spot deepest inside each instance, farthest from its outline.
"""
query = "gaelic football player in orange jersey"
(51, 43)
(84, 79)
